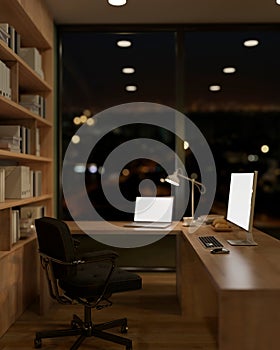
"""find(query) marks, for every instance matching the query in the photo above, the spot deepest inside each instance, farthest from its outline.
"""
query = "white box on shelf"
(17, 182)
(33, 58)
(10, 131)
(32, 211)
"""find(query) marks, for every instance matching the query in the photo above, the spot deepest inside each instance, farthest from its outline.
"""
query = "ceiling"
(164, 11)
(255, 86)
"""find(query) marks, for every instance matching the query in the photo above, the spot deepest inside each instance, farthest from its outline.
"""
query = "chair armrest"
(86, 258)
(97, 256)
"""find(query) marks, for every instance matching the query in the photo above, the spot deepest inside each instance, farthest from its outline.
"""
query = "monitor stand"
(248, 241)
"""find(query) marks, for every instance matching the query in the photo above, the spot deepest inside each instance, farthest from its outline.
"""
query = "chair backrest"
(55, 240)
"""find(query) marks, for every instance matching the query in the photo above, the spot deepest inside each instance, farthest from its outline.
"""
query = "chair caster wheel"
(37, 343)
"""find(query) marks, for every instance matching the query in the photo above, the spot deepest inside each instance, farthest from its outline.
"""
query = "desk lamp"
(173, 179)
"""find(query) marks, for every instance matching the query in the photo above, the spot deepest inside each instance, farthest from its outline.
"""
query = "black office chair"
(89, 279)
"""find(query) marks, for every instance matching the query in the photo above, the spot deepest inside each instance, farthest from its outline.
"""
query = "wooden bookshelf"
(18, 268)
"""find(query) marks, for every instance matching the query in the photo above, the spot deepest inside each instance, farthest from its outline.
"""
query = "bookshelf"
(19, 263)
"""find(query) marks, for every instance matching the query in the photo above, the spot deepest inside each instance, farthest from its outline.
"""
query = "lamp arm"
(199, 185)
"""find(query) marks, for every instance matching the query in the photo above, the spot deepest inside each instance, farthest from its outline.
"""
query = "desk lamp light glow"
(173, 179)
(117, 2)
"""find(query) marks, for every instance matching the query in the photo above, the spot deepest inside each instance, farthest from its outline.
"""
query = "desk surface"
(118, 227)
(246, 267)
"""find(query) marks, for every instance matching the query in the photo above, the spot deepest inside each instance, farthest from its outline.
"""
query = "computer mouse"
(219, 251)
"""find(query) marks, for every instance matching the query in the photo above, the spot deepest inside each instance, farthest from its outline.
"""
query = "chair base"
(87, 329)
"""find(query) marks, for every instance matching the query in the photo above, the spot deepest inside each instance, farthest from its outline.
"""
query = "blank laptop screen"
(151, 209)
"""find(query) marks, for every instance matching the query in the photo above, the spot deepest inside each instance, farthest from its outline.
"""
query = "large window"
(240, 116)
(101, 70)
(229, 90)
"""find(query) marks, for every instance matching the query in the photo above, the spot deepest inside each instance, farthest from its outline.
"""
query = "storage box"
(17, 182)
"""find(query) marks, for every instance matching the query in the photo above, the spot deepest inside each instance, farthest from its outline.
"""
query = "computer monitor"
(241, 204)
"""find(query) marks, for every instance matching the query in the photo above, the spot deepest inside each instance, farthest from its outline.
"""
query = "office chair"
(88, 279)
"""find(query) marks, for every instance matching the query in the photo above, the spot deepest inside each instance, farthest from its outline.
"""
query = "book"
(4, 32)
(15, 226)
(37, 183)
(2, 185)
(37, 142)
(5, 85)
(10, 36)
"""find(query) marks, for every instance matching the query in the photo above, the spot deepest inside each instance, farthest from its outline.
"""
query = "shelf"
(23, 158)
(10, 203)
(31, 35)
(29, 80)
(33, 23)
(18, 245)
(11, 110)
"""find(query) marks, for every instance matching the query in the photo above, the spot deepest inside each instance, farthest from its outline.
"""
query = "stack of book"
(17, 138)
(33, 58)
(10, 138)
(34, 103)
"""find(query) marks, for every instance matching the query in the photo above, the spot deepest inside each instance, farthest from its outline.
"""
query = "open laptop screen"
(152, 209)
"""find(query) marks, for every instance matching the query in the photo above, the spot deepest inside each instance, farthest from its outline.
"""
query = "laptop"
(152, 212)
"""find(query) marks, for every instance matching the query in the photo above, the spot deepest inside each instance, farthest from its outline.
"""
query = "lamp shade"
(117, 2)
(173, 179)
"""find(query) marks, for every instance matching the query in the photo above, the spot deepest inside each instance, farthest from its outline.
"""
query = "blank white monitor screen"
(152, 209)
(241, 199)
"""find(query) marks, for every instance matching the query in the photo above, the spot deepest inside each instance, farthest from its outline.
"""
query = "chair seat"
(89, 281)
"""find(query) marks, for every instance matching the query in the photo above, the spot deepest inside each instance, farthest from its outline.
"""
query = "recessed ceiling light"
(117, 2)
(251, 43)
(128, 70)
(214, 87)
(229, 70)
(124, 43)
(131, 88)
(278, 2)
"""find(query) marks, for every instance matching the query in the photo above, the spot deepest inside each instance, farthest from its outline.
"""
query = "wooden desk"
(116, 234)
(238, 292)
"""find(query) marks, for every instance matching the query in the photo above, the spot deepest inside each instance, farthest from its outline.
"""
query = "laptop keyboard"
(153, 224)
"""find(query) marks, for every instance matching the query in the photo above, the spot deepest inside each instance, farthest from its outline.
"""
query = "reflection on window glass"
(241, 116)
(229, 82)
(101, 70)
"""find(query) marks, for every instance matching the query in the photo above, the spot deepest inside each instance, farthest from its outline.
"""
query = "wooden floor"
(153, 317)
